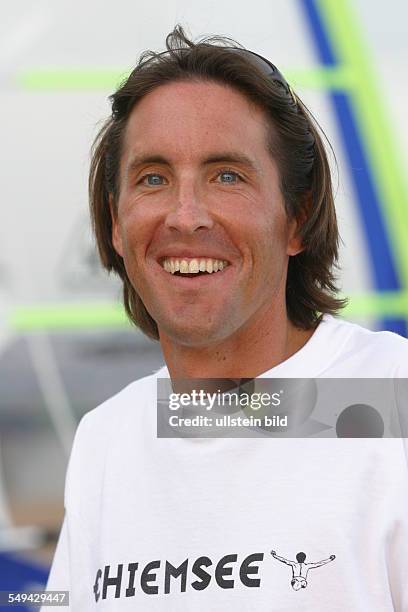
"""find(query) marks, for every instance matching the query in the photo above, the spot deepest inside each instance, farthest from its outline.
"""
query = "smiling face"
(197, 183)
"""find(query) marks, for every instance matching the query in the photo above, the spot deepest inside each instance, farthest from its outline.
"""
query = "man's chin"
(193, 335)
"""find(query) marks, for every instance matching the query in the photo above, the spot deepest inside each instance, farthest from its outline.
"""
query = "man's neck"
(245, 354)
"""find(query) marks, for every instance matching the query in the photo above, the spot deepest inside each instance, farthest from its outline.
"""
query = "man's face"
(197, 182)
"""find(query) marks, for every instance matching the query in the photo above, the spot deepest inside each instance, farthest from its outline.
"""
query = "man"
(211, 198)
(300, 569)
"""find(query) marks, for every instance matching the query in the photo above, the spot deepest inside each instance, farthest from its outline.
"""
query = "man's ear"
(295, 243)
(116, 237)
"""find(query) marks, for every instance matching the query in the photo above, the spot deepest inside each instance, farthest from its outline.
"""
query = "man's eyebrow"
(215, 158)
(141, 160)
(232, 158)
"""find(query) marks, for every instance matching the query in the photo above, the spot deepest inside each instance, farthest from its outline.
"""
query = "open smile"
(194, 271)
(193, 265)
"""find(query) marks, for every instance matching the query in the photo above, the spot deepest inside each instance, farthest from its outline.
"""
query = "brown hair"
(295, 143)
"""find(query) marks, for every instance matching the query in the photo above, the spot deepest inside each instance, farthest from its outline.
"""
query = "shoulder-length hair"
(294, 142)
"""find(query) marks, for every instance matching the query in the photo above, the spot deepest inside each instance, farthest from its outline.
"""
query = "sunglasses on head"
(264, 65)
(269, 69)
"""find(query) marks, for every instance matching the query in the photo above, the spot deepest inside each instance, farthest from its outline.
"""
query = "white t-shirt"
(189, 524)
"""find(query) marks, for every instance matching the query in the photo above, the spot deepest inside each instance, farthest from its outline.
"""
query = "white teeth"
(184, 266)
(193, 266)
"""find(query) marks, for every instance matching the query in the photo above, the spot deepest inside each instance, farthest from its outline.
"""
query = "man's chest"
(202, 531)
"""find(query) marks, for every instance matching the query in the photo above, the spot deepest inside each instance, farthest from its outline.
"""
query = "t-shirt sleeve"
(59, 578)
(70, 569)
(70, 566)
(397, 559)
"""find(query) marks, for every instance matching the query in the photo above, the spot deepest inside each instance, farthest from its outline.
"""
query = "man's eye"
(228, 177)
(152, 180)
(155, 180)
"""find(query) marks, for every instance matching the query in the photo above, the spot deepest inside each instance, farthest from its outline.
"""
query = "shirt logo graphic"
(300, 569)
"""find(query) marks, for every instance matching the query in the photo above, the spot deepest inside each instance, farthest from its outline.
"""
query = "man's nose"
(189, 211)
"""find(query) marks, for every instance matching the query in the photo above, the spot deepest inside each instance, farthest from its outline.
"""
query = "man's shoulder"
(365, 337)
(128, 401)
(384, 353)
(102, 429)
